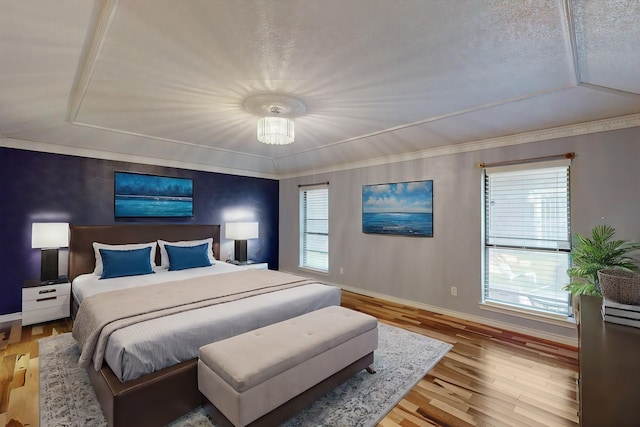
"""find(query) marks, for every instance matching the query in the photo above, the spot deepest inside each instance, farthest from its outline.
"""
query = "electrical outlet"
(341, 270)
(454, 291)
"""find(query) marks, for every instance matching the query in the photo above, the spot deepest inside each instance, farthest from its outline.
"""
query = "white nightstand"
(41, 303)
(255, 266)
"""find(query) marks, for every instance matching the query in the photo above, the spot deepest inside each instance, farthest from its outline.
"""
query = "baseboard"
(10, 317)
(560, 339)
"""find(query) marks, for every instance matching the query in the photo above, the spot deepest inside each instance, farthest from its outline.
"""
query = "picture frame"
(401, 208)
(139, 195)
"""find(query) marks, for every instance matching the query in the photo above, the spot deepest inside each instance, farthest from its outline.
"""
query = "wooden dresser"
(609, 369)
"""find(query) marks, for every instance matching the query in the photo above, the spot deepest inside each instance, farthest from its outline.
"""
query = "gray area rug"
(402, 359)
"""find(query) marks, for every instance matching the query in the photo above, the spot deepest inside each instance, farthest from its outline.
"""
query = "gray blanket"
(102, 314)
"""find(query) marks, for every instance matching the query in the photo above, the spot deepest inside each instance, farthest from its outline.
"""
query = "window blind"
(528, 236)
(314, 227)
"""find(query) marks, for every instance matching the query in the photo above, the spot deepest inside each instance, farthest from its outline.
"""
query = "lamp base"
(49, 265)
(240, 250)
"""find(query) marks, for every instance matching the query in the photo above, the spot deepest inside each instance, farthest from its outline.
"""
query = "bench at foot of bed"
(265, 376)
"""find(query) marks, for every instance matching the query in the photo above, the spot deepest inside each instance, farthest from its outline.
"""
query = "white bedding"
(90, 284)
(152, 345)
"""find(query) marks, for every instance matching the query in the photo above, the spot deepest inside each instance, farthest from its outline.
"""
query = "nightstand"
(255, 266)
(41, 303)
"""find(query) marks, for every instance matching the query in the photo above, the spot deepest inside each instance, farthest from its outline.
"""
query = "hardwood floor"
(19, 370)
(491, 377)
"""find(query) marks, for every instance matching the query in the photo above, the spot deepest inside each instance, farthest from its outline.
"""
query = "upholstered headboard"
(81, 237)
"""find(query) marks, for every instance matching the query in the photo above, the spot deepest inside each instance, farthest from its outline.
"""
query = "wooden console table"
(609, 369)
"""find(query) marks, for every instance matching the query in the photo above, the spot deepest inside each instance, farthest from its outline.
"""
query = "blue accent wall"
(44, 187)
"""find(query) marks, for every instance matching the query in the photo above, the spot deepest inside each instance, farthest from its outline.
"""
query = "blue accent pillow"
(133, 262)
(183, 257)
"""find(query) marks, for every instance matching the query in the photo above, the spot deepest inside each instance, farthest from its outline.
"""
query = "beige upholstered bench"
(264, 376)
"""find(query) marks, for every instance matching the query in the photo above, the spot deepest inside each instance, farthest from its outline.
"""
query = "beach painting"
(151, 196)
(403, 208)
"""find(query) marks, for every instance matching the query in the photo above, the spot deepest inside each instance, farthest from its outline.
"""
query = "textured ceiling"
(165, 80)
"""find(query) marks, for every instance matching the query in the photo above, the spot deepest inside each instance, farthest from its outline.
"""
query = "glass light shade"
(275, 130)
(49, 235)
(241, 230)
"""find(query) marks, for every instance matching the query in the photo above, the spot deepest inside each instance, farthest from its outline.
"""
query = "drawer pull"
(47, 291)
(45, 299)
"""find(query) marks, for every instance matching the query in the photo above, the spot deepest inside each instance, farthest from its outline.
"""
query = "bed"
(133, 387)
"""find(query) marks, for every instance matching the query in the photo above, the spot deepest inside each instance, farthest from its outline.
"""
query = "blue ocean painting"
(404, 208)
(138, 195)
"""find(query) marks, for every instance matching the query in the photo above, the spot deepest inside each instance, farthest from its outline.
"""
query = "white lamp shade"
(241, 230)
(49, 235)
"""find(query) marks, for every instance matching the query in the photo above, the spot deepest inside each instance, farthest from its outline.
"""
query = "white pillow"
(164, 256)
(97, 246)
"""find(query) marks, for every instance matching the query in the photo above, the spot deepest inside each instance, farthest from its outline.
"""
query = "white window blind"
(528, 236)
(314, 227)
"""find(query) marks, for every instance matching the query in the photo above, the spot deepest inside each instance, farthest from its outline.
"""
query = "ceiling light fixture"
(275, 130)
(275, 125)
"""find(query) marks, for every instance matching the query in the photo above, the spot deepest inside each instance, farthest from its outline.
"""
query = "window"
(527, 236)
(314, 227)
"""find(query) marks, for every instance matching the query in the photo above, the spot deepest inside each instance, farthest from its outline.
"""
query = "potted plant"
(590, 255)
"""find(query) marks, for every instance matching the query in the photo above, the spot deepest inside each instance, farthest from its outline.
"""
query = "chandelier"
(276, 112)
(275, 130)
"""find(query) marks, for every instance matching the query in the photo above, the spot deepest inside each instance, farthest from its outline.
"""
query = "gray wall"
(605, 188)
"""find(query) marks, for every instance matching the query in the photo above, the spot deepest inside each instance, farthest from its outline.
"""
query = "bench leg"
(370, 369)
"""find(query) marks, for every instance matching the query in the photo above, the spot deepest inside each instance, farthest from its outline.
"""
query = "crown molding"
(597, 126)
(129, 158)
(585, 128)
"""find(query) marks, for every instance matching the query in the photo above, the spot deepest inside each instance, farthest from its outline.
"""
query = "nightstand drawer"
(45, 315)
(46, 301)
(38, 292)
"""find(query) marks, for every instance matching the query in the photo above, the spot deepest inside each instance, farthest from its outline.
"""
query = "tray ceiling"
(164, 81)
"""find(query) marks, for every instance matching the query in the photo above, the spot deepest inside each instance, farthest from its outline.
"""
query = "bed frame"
(162, 396)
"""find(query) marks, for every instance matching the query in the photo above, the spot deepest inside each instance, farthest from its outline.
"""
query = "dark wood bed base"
(163, 396)
(153, 400)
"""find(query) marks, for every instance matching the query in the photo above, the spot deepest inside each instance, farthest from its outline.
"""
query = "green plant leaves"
(592, 254)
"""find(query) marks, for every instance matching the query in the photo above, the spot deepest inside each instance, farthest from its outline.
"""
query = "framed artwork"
(403, 208)
(149, 196)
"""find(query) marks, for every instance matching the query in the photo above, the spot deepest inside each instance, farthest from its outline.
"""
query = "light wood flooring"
(491, 377)
(19, 370)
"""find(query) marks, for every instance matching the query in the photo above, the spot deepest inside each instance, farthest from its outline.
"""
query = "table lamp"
(49, 237)
(241, 232)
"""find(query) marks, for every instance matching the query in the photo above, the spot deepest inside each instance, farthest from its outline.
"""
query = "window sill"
(313, 270)
(553, 319)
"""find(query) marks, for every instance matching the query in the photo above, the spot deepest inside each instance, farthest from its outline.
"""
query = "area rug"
(401, 360)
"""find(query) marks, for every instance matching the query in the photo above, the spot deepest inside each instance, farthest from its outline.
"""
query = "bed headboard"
(81, 237)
